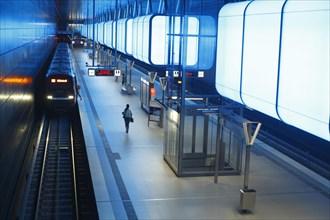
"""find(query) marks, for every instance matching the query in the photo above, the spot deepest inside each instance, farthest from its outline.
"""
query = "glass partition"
(196, 156)
(206, 47)
(171, 139)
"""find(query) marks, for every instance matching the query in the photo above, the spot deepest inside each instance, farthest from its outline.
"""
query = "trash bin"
(248, 199)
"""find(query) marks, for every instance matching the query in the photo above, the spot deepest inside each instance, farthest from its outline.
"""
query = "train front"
(60, 91)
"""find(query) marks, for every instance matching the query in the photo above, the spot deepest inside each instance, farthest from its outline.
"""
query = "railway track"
(61, 185)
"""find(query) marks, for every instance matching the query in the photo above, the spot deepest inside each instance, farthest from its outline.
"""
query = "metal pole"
(218, 144)
(249, 140)
(93, 33)
(247, 166)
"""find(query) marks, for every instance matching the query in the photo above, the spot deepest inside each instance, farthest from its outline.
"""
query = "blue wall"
(26, 39)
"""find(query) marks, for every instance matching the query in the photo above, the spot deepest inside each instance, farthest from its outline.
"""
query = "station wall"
(27, 31)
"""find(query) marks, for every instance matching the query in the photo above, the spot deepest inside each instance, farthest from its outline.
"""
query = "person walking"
(78, 91)
(128, 117)
(123, 80)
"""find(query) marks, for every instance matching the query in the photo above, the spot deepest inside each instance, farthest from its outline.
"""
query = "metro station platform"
(132, 180)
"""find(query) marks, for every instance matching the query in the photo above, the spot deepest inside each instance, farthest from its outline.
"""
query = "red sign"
(103, 72)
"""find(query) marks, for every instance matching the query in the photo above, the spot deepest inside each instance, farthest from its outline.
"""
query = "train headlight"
(70, 96)
(49, 97)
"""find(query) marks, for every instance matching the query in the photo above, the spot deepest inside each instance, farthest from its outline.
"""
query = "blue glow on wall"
(255, 51)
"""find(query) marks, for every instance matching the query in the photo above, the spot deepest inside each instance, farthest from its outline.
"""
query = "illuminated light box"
(159, 40)
(229, 50)
(83, 30)
(300, 64)
(129, 37)
(90, 31)
(114, 34)
(96, 33)
(100, 30)
(141, 37)
(108, 33)
(304, 80)
(150, 41)
(260, 55)
(121, 32)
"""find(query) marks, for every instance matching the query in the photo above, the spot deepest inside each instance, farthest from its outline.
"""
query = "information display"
(103, 72)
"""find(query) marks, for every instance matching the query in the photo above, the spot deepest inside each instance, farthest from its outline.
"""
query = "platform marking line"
(129, 208)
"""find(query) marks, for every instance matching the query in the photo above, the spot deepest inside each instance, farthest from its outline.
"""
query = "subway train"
(61, 80)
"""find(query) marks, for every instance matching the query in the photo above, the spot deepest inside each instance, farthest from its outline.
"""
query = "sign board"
(117, 72)
(154, 112)
(91, 72)
(101, 72)
(200, 73)
(104, 72)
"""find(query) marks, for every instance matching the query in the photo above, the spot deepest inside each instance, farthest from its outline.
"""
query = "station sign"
(103, 72)
(199, 74)
(117, 72)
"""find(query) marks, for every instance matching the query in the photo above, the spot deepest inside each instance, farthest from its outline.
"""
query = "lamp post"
(248, 196)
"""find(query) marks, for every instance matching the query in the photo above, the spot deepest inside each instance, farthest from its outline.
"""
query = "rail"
(57, 191)
(60, 185)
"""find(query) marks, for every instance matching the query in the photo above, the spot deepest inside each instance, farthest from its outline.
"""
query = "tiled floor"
(132, 181)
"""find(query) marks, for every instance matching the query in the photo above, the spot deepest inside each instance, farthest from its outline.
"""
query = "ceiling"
(77, 11)
(80, 10)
